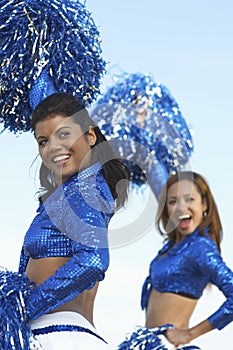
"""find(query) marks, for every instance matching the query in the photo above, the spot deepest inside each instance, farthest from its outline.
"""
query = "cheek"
(43, 154)
(172, 215)
(170, 210)
(82, 148)
(69, 143)
(200, 218)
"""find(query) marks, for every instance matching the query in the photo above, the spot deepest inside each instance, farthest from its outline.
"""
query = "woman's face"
(63, 147)
(185, 207)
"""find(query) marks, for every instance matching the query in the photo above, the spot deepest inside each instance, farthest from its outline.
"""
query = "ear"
(91, 136)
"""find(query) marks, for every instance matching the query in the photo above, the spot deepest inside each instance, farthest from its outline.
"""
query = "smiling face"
(63, 146)
(185, 207)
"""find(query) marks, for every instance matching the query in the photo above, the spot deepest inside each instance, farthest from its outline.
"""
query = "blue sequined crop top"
(186, 268)
(72, 222)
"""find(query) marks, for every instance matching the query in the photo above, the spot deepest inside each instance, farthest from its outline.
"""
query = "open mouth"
(60, 158)
(184, 217)
(184, 220)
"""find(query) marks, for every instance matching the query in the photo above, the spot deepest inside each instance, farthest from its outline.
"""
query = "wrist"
(192, 334)
(200, 329)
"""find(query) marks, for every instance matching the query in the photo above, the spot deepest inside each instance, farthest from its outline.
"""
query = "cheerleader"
(188, 262)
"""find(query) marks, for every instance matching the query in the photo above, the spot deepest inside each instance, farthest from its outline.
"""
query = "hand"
(178, 336)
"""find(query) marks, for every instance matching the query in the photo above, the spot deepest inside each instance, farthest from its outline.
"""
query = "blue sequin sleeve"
(23, 261)
(87, 207)
(187, 268)
(68, 281)
(222, 277)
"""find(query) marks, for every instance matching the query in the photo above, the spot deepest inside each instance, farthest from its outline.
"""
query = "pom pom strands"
(15, 332)
(145, 126)
(146, 339)
(52, 43)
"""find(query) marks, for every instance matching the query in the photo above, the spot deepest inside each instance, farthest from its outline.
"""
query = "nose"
(54, 144)
(181, 206)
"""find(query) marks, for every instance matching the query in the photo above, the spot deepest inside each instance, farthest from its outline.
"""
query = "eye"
(43, 142)
(189, 199)
(64, 134)
(172, 201)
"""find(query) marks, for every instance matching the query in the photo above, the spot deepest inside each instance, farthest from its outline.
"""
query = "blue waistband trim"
(64, 328)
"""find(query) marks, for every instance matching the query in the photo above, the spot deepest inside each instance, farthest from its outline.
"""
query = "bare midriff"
(38, 270)
(169, 308)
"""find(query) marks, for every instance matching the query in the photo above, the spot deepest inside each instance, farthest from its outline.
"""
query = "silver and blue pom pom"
(45, 47)
(144, 123)
(144, 338)
(15, 331)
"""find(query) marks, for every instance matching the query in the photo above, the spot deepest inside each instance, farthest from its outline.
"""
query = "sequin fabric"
(72, 222)
(151, 339)
(187, 268)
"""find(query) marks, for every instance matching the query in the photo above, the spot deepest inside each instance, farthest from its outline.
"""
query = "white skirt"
(66, 330)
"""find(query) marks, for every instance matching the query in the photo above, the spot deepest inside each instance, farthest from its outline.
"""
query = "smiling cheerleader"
(48, 47)
(190, 260)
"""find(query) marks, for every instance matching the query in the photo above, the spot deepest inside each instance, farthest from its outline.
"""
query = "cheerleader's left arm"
(212, 265)
(221, 277)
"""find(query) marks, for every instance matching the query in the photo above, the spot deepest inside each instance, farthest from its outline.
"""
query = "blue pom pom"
(143, 122)
(145, 338)
(15, 331)
(53, 43)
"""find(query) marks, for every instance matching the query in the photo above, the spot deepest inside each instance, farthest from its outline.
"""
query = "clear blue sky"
(187, 46)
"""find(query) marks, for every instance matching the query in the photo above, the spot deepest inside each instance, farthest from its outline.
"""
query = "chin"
(188, 232)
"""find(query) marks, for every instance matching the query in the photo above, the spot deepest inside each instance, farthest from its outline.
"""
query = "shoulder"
(89, 188)
(205, 243)
(206, 254)
(203, 249)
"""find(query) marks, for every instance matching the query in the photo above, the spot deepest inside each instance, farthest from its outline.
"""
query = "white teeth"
(182, 217)
(61, 157)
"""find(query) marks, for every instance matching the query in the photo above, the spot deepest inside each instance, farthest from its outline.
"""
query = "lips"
(60, 158)
(184, 221)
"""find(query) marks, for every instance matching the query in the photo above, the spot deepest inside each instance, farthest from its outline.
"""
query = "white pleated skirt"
(67, 330)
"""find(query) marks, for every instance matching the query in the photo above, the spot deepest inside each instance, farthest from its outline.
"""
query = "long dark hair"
(211, 220)
(114, 170)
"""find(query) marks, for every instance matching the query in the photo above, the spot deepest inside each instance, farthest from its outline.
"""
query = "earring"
(51, 178)
(204, 214)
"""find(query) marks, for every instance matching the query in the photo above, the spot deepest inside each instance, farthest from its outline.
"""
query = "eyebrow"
(56, 132)
(171, 197)
(184, 195)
